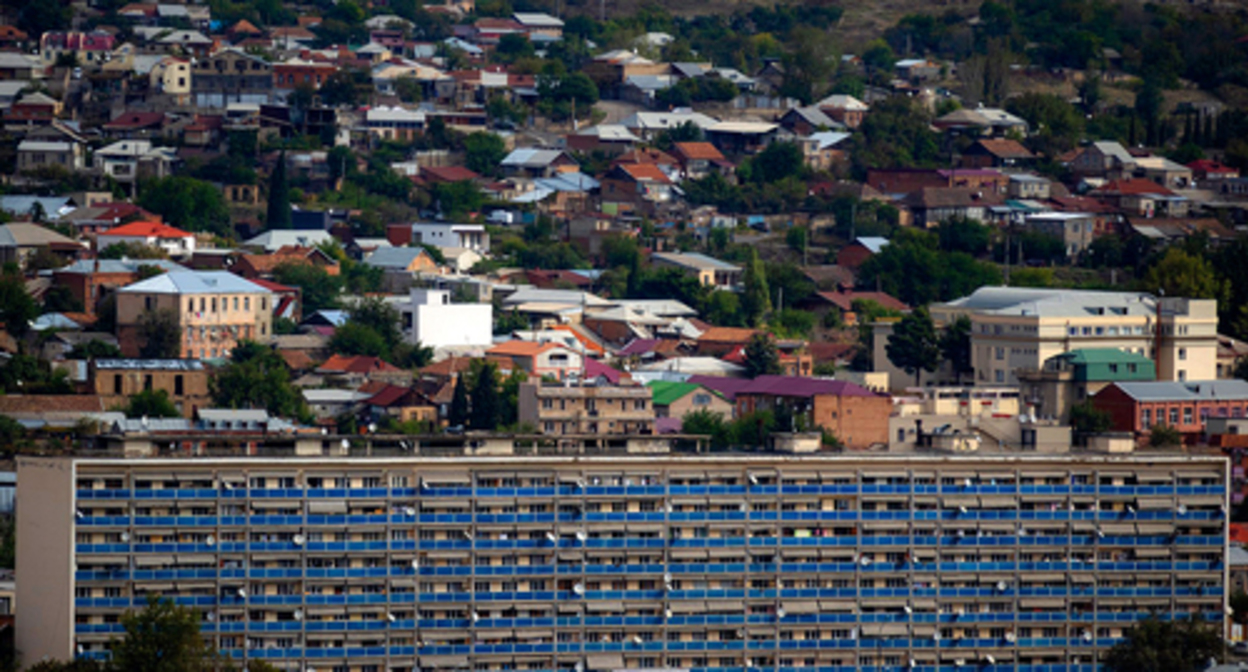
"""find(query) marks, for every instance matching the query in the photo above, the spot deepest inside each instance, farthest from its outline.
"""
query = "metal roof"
(150, 364)
(1054, 302)
(195, 282)
(1192, 390)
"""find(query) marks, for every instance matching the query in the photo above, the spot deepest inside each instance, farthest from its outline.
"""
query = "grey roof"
(695, 260)
(1192, 390)
(195, 282)
(394, 257)
(1237, 557)
(1114, 149)
(815, 116)
(530, 294)
(141, 425)
(537, 19)
(12, 59)
(829, 138)
(663, 120)
(125, 265)
(151, 364)
(873, 243)
(53, 321)
(1055, 302)
(277, 239)
(531, 157)
(232, 415)
(25, 234)
(614, 132)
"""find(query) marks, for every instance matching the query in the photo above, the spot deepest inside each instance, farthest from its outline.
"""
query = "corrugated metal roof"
(195, 282)
(1192, 390)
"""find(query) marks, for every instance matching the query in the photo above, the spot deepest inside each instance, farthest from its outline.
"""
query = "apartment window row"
(211, 305)
(1106, 331)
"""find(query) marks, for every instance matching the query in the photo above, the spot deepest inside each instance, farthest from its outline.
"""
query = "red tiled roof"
(12, 404)
(147, 230)
(296, 360)
(448, 174)
(272, 286)
(646, 156)
(644, 172)
(595, 368)
(1134, 187)
(727, 335)
(245, 26)
(135, 120)
(388, 395)
(522, 348)
(845, 300)
(699, 150)
(1006, 149)
(356, 364)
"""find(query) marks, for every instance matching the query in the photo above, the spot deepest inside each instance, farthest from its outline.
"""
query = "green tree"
(59, 299)
(17, 308)
(761, 356)
(705, 422)
(913, 346)
(25, 374)
(755, 295)
(486, 406)
(955, 346)
(513, 47)
(162, 637)
(133, 250)
(188, 203)
(94, 349)
(1154, 645)
(160, 334)
(279, 215)
(1238, 603)
(509, 413)
(795, 238)
(1178, 273)
(379, 316)
(457, 414)
(320, 289)
(256, 377)
(776, 162)
(11, 431)
(1088, 419)
(151, 404)
(1164, 436)
(960, 234)
(483, 152)
(354, 338)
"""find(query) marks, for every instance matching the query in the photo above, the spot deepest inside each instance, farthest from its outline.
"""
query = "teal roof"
(1104, 356)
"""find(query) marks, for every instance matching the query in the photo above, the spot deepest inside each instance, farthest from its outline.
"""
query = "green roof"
(1104, 356)
(667, 392)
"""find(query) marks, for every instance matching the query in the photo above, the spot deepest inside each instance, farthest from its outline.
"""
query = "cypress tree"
(457, 414)
(1187, 128)
(756, 297)
(1207, 135)
(279, 196)
(486, 402)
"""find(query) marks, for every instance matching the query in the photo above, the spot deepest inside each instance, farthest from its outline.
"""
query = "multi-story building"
(231, 76)
(709, 271)
(558, 409)
(1074, 377)
(609, 561)
(214, 309)
(1137, 407)
(432, 319)
(184, 380)
(1016, 328)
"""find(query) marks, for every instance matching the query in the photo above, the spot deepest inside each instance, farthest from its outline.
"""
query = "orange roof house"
(540, 359)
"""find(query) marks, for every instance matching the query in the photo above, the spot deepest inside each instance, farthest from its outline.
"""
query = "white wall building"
(445, 234)
(431, 319)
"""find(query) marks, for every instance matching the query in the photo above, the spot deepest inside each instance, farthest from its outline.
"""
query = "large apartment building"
(215, 310)
(601, 560)
(1015, 328)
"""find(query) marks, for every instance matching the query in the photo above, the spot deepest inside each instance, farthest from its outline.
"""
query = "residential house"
(541, 359)
(31, 111)
(402, 259)
(91, 280)
(675, 400)
(1231, 352)
(33, 155)
(1139, 196)
(430, 318)
(588, 230)
(856, 416)
(185, 381)
(215, 310)
(21, 240)
(845, 109)
(534, 162)
(699, 159)
(843, 301)
(445, 234)
(231, 75)
(982, 121)
(1076, 230)
(1025, 186)
(1208, 170)
(824, 150)
(856, 253)
(719, 341)
(1163, 171)
(917, 70)
(92, 219)
(810, 119)
(172, 77)
(394, 123)
(561, 410)
(539, 23)
(15, 65)
(709, 271)
(743, 137)
(175, 242)
(131, 125)
(294, 72)
(257, 266)
(996, 153)
(275, 239)
(355, 370)
(635, 187)
(90, 48)
(1075, 377)
(647, 125)
(1101, 159)
(128, 161)
(612, 139)
(928, 207)
(1137, 407)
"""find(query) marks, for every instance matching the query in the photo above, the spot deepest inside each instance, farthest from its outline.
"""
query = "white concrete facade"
(431, 319)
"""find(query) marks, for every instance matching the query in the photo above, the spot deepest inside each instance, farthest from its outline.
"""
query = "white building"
(175, 242)
(431, 319)
(444, 234)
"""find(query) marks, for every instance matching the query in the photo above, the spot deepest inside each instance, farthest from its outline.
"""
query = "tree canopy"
(914, 346)
(1154, 645)
(256, 377)
(188, 203)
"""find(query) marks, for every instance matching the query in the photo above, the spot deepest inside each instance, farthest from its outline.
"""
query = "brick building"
(185, 380)
(1187, 406)
(857, 416)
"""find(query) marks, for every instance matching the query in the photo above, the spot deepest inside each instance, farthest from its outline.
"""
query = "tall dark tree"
(486, 402)
(256, 377)
(278, 216)
(161, 334)
(1154, 645)
(17, 308)
(756, 296)
(761, 356)
(955, 346)
(914, 347)
(457, 414)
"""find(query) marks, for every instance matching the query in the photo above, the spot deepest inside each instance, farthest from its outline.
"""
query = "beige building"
(1018, 328)
(560, 409)
(451, 558)
(172, 77)
(710, 271)
(215, 310)
(184, 380)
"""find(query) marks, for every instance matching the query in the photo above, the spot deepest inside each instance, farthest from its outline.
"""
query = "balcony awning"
(600, 661)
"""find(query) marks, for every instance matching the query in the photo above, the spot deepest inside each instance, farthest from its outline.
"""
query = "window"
(236, 303)
(1187, 415)
(1146, 418)
(246, 303)
(214, 304)
(147, 382)
(1000, 376)
(177, 385)
(117, 384)
(1182, 354)
(1174, 416)
(1000, 353)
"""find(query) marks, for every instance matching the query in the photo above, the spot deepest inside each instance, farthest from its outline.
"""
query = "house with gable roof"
(174, 241)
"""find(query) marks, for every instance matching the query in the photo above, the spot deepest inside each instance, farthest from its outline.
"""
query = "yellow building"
(215, 310)
(1018, 328)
